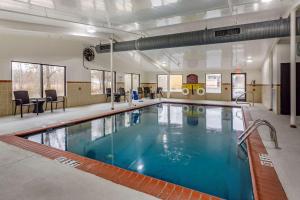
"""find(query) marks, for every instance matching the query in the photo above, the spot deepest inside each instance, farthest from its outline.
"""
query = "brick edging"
(265, 182)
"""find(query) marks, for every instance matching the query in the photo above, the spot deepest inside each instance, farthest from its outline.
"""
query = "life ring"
(185, 91)
(201, 91)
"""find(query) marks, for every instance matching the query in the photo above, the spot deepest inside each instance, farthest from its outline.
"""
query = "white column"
(271, 80)
(293, 68)
(112, 76)
(169, 93)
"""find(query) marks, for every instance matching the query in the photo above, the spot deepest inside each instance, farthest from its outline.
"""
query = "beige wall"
(79, 93)
(5, 97)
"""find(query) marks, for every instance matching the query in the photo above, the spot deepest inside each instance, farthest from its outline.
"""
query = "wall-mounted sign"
(192, 79)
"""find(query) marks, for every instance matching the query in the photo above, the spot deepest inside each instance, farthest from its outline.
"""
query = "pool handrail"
(242, 94)
(257, 123)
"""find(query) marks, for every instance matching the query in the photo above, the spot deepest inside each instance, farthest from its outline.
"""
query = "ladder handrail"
(257, 123)
(242, 94)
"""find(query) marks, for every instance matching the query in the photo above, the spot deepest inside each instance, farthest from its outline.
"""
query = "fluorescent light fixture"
(255, 6)
(91, 30)
(249, 61)
(266, 1)
(43, 3)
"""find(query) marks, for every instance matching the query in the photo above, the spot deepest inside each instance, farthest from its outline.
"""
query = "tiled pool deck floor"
(31, 176)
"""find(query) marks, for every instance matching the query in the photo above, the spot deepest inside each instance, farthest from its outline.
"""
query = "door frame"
(232, 74)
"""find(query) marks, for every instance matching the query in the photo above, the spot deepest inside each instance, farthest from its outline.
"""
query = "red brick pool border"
(266, 184)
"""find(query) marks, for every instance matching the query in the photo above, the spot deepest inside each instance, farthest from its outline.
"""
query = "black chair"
(51, 97)
(159, 91)
(22, 99)
(140, 92)
(122, 93)
(108, 93)
(147, 91)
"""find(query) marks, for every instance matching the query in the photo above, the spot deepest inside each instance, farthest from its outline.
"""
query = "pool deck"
(31, 176)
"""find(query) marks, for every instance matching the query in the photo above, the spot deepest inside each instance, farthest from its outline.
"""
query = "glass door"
(238, 86)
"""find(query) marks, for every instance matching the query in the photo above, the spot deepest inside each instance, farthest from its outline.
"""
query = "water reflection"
(193, 113)
(87, 131)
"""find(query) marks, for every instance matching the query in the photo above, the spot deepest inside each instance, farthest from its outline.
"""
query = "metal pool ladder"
(257, 123)
(236, 100)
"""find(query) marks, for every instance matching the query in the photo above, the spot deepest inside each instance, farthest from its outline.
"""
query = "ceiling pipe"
(252, 31)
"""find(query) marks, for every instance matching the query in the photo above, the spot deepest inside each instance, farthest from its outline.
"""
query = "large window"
(162, 81)
(132, 81)
(97, 82)
(35, 78)
(100, 80)
(108, 80)
(54, 78)
(175, 83)
(213, 83)
(135, 81)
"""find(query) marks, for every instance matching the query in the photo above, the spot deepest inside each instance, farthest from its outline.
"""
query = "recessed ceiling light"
(164, 64)
(91, 30)
(249, 61)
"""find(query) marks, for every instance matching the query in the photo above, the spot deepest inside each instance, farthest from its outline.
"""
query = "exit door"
(238, 86)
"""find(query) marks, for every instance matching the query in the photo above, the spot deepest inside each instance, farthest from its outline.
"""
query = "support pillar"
(169, 87)
(271, 80)
(112, 76)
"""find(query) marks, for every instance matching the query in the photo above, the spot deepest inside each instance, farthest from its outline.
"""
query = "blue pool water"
(189, 145)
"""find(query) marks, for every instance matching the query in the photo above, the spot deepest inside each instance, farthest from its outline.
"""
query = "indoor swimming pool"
(190, 145)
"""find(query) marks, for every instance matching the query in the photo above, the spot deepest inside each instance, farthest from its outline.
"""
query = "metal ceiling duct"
(253, 31)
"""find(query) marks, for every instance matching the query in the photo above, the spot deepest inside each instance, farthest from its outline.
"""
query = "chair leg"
(51, 107)
(56, 105)
(64, 106)
(15, 110)
(46, 106)
(21, 111)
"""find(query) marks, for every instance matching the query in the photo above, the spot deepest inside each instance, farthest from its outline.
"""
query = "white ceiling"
(130, 19)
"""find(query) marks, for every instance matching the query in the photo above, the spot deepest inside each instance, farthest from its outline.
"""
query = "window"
(100, 80)
(135, 81)
(35, 78)
(27, 76)
(175, 83)
(97, 82)
(108, 80)
(213, 83)
(54, 78)
(132, 81)
(127, 81)
(162, 81)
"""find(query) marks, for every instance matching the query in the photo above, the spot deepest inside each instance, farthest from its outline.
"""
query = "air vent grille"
(227, 32)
